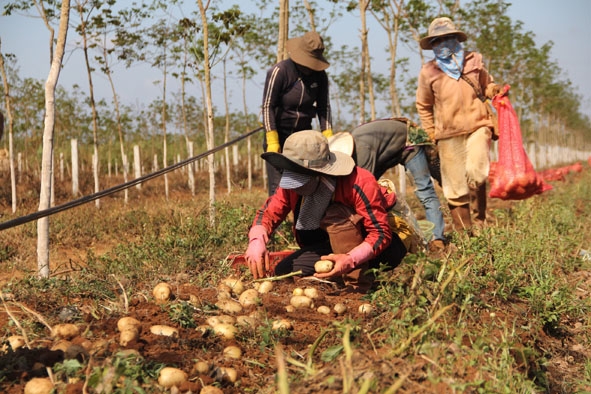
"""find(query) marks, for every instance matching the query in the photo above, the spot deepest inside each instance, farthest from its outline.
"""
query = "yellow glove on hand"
(273, 141)
(327, 133)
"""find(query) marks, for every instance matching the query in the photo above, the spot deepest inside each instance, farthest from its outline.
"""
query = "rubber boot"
(481, 203)
(461, 219)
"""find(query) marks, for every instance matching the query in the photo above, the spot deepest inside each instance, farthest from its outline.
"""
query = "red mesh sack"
(512, 177)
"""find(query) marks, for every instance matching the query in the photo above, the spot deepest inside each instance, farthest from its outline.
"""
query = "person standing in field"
(450, 99)
(382, 144)
(295, 93)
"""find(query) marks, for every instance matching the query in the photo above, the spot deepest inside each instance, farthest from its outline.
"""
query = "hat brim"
(300, 56)
(341, 142)
(339, 164)
(426, 41)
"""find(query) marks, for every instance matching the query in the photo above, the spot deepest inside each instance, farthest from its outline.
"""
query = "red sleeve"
(361, 191)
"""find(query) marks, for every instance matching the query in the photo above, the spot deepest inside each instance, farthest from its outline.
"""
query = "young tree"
(47, 158)
(10, 129)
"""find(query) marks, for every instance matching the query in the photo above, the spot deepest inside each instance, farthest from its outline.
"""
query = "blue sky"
(566, 23)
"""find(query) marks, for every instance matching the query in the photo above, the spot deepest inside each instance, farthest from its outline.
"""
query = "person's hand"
(257, 258)
(273, 141)
(327, 133)
(343, 263)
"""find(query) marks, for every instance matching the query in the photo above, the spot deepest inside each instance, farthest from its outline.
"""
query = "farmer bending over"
(382, 144)
(340, 214)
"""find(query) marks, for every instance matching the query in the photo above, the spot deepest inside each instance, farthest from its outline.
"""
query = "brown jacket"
(449, 108)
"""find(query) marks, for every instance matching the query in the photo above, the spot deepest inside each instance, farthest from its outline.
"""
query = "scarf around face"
(449, 56)
(314, 205)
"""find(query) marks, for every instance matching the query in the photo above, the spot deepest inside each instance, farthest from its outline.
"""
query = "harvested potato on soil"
(228, 305)
(225, 330)
(126, 323)
(323, 309)
(249, 297)
(323, 266)
(301, 301)
(311, 292)
(233, 352)
(16, 341)
(282, 324)
(202, 367)
(164, 330)
(366, 309)
(265, 287)
(65, 331)
(226, 374)
(340, 308)
(162, 292)
(170, 377)
(235, 285)
(211, 390)
(128, 336)
(215, 320)
(38, 386)
(298, 291)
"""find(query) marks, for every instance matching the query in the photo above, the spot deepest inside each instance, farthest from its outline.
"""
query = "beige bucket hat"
(441, 27)
(308, 50)
(307, 152)
(341, 142)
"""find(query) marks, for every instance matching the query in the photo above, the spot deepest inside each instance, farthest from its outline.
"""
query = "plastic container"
(427, 229)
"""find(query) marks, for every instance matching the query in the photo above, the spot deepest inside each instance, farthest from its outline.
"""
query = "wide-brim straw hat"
(341, 142)
(441, 27)
(307, 152)
(308, 50)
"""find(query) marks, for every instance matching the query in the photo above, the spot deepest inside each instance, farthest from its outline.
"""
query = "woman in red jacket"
(315, 181)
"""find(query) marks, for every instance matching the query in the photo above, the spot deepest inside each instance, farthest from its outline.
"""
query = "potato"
(249, 297)
(38, 386)
(170, 377)
(65, 331)
(215, 320)
(340, 308)
(16, 341)
(127, 322)
(62, 345)
(366, 309)
(235, 284)
(227, 331)
(282, 324)
(290, 309)
(162, 292)
(128, 336)
(301, 301)
(227, 374)
(229, 306)
(323, 266)
(202, 367)
(311, 292)
(246, 321)
(323, 310)
(233, 352)
(163, 330)
(265, 287)
(298, 292)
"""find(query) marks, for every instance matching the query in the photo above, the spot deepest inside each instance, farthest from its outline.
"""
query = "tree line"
(194, 45)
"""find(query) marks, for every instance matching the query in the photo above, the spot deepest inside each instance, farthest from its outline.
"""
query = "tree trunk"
(47, 155)
(227, 134)
(83, 34)
(209, 135)
(283, 29)
(10, 126)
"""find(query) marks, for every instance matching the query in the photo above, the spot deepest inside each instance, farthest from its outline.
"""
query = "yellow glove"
(273, 141)
(327, 133)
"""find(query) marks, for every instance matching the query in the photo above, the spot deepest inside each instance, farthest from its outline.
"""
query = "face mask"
(308, 188)
(447, 47)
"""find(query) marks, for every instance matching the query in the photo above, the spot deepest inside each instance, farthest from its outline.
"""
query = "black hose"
(83, 200)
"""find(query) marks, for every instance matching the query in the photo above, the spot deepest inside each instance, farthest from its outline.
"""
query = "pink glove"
(345, 263)
(257, 255)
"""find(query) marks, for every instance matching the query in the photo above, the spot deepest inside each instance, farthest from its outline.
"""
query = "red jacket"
(358, 190)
